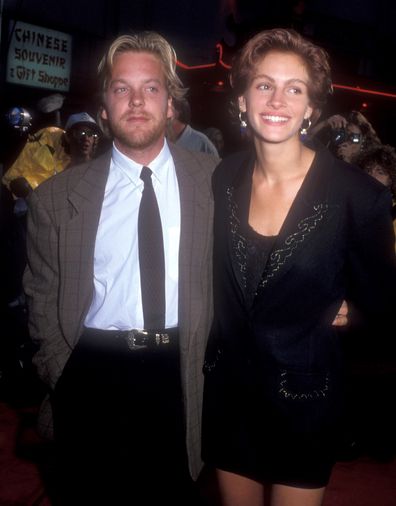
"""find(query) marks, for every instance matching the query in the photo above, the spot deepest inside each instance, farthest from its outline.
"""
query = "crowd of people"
(188, 312)
(352, 138)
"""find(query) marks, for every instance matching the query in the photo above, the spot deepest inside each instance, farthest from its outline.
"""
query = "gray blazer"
(63, 219)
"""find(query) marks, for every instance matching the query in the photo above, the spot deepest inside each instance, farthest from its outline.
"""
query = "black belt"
(138, 339)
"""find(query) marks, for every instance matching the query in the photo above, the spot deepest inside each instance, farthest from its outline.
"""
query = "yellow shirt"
(42, 156)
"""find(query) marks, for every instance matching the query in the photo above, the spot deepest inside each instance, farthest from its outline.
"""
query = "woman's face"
(276, 101)
(350, 148)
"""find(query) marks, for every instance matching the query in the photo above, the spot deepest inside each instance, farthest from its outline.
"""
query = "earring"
(242, 120)
(305, 127)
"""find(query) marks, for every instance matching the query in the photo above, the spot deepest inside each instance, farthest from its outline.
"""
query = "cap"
(84, 118)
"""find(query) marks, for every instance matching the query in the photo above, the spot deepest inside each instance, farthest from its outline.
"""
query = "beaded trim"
(281, 255)
(238, 241)
(210, 365)
(310, 395)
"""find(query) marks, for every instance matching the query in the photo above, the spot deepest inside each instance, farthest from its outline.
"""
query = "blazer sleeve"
(372, 263)
(41, 284)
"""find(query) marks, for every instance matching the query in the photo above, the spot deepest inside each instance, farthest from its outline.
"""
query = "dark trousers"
(119, 426)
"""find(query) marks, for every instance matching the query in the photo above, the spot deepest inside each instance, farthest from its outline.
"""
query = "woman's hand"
(341, 318)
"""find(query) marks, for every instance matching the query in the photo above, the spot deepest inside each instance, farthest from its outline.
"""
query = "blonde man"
(126, 399)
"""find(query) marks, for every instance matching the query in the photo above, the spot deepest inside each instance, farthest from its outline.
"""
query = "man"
(81, 137)
(127, 406)
(51, 150)
(181, 132)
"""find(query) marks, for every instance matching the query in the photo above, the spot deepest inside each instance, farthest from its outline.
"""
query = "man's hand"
(337, 121)
(341, 318)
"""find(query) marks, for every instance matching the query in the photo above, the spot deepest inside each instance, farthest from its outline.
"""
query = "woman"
(296, 232)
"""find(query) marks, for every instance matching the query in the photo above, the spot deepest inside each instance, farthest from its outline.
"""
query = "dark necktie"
(151, 256)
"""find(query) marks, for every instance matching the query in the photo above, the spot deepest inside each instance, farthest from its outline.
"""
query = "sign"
(39, 57)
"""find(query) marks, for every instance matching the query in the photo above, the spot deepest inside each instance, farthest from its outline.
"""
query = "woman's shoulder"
(348, 177)
(229, 166)
(349, 187)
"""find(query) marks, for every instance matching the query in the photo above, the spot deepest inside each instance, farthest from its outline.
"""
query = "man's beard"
(139, 138)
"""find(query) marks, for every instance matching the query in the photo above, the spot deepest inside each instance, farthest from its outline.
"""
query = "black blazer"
(337, 242)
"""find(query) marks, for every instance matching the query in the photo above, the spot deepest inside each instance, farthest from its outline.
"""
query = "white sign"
(39, 57)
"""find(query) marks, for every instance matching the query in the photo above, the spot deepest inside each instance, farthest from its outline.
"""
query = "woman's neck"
(282, 161)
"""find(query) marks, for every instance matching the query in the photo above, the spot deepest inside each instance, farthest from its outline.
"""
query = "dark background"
(360, 37)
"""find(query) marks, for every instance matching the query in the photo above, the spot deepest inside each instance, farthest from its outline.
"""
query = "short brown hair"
(315, 59)
(147, 42)
(384, 156)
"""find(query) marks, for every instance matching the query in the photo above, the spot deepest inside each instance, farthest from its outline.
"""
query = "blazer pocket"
(214, 350)
(295, 386)
(67, 370)
(302, 402)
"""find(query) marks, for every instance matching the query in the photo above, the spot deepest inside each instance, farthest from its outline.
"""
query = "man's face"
(82, 142)
(137, 103)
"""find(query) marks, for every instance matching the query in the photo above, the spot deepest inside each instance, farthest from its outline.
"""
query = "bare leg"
(283, 495)
(236, 490)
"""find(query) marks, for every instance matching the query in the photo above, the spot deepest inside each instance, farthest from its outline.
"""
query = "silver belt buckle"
(131, 340)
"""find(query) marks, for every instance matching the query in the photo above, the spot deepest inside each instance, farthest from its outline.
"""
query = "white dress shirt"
(117, 299)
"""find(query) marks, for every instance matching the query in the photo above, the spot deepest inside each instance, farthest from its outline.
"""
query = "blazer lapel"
(92, 185)
(77, 244)
(238, 203)
(307, 215)
(309, 212)
(195, 232)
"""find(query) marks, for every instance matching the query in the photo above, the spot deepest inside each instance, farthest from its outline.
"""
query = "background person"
(347, 136)
(82, 135)
(51, 150)
(217, 138)
(183, 134)
(372, 376)
(380, 163)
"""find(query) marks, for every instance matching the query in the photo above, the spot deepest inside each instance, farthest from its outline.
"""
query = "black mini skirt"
(254, 428)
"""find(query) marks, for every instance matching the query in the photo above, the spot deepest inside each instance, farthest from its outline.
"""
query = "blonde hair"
(148, 42)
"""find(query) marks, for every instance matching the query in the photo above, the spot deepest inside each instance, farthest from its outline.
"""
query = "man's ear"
(103, 113)
(242, 103)
(170, 112)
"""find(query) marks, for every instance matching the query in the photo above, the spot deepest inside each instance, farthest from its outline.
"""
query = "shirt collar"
(132, 169)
